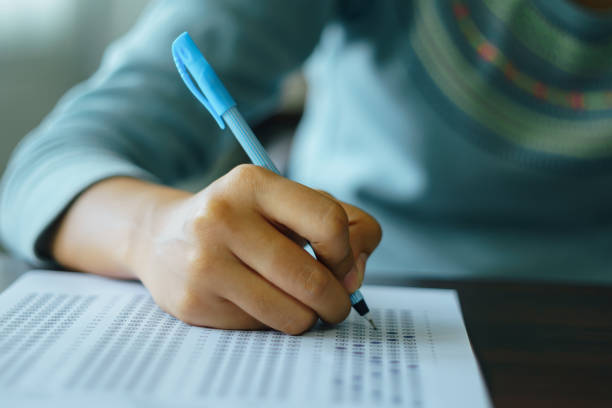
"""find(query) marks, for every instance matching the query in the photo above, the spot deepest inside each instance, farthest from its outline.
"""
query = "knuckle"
(335, 221)
(218, 209)
(214, 212)
(316, 283)
(245, 174)
(376, 228)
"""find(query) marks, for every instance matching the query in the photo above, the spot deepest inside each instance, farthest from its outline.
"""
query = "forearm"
(105, 228)
(135, 118)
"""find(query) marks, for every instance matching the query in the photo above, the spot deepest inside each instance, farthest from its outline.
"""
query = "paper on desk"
(80, 340)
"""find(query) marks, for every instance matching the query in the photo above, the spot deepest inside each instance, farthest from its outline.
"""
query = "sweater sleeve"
(134, 117)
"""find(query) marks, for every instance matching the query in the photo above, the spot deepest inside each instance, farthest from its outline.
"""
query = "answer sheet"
(70, 339)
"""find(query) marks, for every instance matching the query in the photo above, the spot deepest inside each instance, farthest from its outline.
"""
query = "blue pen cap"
(209, 90)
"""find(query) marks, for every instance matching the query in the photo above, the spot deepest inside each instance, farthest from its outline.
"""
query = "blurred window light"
(32, 25)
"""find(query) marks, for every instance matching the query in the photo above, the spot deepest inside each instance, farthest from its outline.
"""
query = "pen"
(192, 66)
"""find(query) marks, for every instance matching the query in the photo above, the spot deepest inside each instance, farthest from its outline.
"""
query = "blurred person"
(477, 132)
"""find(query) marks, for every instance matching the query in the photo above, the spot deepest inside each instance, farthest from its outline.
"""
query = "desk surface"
(538, 345)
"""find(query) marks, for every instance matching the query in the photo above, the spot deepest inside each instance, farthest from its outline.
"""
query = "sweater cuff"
(46, 194)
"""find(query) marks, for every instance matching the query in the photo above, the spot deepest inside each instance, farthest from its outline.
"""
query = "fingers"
(197, 305)
(223, 292)
(364, 234)
(364, 231)
(338, 232)
(260, 219)
(287, 266)
(219, 312)
(265, 302)
(308, 213)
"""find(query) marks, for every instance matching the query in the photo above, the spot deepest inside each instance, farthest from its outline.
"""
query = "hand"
(231, 256)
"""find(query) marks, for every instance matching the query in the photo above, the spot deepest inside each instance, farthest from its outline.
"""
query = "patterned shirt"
(478, 132)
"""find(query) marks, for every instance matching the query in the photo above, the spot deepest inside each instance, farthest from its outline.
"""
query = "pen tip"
(372, 324)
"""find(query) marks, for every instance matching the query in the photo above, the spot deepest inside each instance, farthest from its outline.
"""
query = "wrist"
(158, 213)
(106, 230)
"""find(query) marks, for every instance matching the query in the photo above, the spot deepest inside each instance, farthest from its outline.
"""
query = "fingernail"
(351, 280)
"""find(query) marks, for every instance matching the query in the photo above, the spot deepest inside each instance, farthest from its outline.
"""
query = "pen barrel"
(358, 303)
(248, 140)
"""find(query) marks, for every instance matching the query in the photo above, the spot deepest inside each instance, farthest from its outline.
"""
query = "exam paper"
(81, 340)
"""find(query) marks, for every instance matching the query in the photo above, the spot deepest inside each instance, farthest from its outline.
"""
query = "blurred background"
(47, 46)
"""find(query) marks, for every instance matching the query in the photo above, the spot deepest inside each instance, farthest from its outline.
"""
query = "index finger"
(310, 214)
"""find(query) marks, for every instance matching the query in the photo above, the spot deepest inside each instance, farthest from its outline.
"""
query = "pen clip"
(209, 90)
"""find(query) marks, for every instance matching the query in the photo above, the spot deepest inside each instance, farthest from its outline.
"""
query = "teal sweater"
(478, 132)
